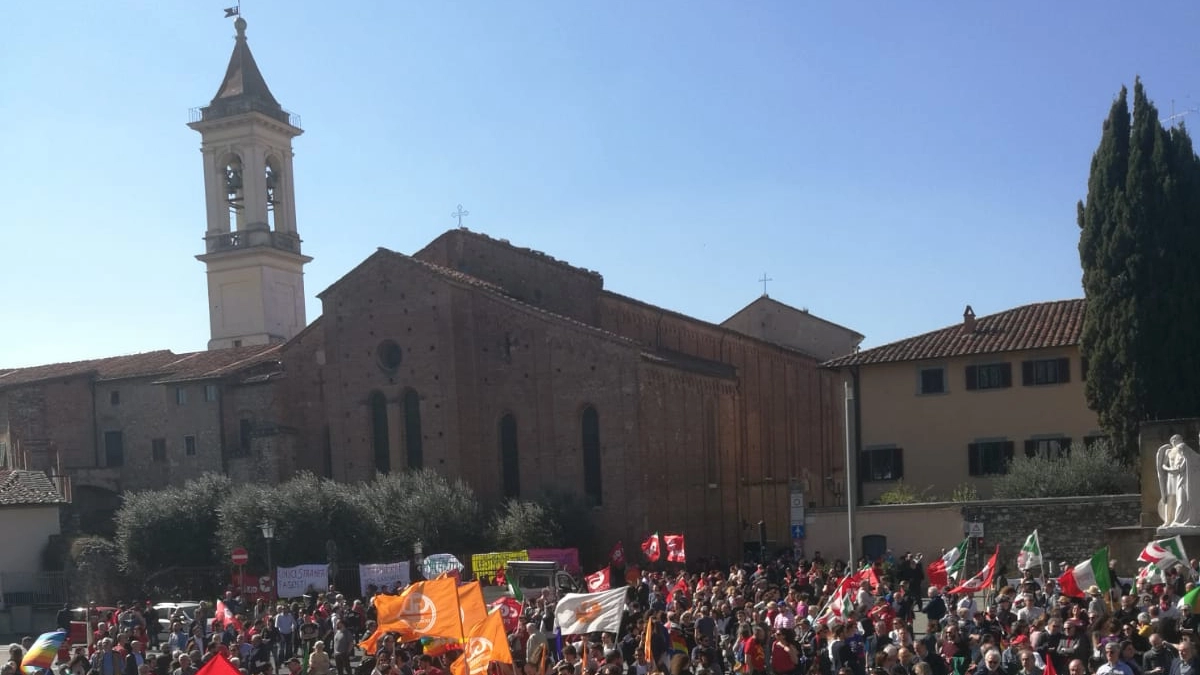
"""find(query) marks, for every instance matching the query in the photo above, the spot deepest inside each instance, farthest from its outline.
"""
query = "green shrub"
(175, 527)
(902, 493)
(519, 525)
(1083, 471)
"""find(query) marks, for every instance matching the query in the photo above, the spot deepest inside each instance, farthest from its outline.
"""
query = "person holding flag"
(948, 567)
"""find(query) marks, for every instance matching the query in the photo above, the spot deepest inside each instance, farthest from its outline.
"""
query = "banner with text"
(293, 582)
(439, 563)
(567, 558)
(392, 575)
(484, 565)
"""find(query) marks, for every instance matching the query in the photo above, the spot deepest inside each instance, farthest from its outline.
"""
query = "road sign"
(239, 556)
(797, 531)
(974, 529)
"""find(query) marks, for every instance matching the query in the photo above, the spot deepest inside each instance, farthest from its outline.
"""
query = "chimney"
(968, 326)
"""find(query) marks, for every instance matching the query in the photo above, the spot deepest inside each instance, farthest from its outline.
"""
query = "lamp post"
(268, 531)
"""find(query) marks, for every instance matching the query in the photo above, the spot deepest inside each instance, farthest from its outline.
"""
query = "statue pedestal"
(1125, 543)
(1163, 532)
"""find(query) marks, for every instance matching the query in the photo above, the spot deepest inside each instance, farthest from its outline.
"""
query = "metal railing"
(228, 241)
(35, 588)
(229, 108)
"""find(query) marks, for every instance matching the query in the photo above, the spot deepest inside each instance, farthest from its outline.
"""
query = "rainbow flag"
(678, 642)
(41, 655)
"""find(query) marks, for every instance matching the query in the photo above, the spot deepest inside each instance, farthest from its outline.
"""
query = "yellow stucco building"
(951, 407)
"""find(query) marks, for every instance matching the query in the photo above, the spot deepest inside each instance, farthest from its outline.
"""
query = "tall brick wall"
(301, 391)
(530, 276)
(36, 415)
(149, 411)
(788, 414)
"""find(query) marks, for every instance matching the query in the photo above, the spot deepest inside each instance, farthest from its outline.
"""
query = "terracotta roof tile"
(21, 488)
(1038, 326)
(162, 364)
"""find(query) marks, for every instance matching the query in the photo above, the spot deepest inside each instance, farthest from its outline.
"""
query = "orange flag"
(426, 608)
(470, 605)
(486, 643)
(371, 642)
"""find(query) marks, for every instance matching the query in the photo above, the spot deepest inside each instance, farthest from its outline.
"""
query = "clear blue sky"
(886, 163)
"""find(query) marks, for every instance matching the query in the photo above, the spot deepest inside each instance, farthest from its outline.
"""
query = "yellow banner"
(484, 565)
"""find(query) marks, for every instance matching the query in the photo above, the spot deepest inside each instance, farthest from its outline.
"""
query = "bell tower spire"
(251, 247)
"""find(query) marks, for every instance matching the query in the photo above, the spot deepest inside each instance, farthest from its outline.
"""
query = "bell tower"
(251, 248)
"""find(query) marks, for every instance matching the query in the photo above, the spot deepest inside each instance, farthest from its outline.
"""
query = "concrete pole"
(851, 478)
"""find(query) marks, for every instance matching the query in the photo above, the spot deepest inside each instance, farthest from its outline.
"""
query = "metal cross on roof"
(460, 213)
(764, 281)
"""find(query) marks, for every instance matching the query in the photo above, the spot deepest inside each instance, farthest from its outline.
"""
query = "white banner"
(437, 563)
(293, 582)
(393, 575)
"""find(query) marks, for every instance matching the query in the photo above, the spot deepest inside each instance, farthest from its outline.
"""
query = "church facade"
(473, 357)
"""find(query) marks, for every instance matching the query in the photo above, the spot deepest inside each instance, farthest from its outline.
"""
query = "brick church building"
(474, 357)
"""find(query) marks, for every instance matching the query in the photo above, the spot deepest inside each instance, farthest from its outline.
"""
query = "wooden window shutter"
(972, 378)
(1030, 448)
(1064, 370)
(1008, 452)
(1065, 445)
(1026, 373)
(1006, 375)
(898, 463)
(973, 459)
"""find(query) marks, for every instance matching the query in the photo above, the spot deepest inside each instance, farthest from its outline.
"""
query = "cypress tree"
(1139, 238)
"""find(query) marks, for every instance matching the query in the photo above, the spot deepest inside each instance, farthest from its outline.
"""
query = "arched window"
(510, 459)
(234, 196)
(379, 432)
(273, 181)
(592, 486)
(412, 429)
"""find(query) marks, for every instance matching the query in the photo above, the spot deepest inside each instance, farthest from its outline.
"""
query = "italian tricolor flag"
(948, 566)
(1093, 572)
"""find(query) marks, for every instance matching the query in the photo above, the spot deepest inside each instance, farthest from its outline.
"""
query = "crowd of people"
(767, 619)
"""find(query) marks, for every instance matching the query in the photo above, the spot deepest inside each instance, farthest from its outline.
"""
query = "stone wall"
(1069, 528)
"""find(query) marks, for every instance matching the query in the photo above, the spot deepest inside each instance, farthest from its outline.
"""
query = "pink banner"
(567, 557)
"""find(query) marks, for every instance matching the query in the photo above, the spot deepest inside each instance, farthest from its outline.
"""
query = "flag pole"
(1037, 540)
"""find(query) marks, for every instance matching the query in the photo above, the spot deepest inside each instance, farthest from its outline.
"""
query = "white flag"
(579, 613)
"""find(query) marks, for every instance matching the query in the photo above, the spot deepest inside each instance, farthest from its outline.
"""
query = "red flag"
(1049, 669)
(872, 576)
(617, 555)
(679, 587)
(218, 665)
(510, 611)
(650, 547)
(600, 581)
(982, 580)
(226, 617)
(674, 544)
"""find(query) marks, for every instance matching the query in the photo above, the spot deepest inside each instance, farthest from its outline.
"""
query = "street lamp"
(268, 530)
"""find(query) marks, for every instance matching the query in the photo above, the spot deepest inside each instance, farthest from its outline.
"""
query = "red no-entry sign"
(239, 556)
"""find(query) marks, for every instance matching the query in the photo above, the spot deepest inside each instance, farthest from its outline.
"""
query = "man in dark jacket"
(1157, 660)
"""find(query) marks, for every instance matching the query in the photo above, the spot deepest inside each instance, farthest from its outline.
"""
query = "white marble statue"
(1178, 468)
